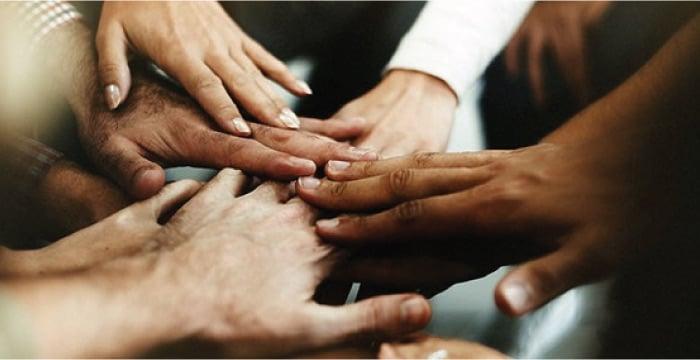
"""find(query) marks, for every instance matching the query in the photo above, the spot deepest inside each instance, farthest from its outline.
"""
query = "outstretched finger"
(390, 189)
(343, 171)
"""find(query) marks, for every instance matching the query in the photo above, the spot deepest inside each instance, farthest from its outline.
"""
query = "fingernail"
(413, 311)
(336, 165)
(328, 223)
(289, 118)
(305, 88)
(309, 182)
(517, 296)
(112, 96)
(364, 154)
(308, 165)
(240, 125)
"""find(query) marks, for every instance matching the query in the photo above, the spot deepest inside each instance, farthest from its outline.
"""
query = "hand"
(199, 45)
(262, 263)
(159, 127)
(562, 28)
(70, 198)
(429, 347)
(568, 204)
(127, 232)
(407, 112)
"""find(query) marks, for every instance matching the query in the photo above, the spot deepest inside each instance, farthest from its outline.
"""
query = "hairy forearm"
(121, 309)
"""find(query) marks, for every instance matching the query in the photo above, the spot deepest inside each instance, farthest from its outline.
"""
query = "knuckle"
(397, 182)
(367, 168)
(408, 212)
(422, 159)
(205, 83)
(109, 68)
(337, 189)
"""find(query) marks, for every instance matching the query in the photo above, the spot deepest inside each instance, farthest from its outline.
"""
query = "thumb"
(113, 64)
(378, 317)
(536, 282)
(140, 177)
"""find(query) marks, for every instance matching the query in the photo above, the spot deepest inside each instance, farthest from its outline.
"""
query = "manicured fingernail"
(309, 182)
(413, 311)
(112, 96)
(364, 154)
(517, 296)
(328, 223)
(240, 125)
(305, 88)
(308, 165)
(336, 165)
(289, 118)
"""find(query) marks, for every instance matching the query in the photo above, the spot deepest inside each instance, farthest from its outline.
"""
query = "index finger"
(343, 171)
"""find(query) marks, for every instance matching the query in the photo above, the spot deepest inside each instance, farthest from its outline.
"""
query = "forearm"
(657, 106)
(119, 310)
(70, 59)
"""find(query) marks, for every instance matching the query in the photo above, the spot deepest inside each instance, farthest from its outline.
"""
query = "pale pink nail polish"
(309, 182)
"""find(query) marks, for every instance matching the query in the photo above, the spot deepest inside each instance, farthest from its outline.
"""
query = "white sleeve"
(456, 40)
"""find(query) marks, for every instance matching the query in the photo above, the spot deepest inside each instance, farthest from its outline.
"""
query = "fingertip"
(387, 351)
(415, 312)
(147, 182)
(112, 95)
(291, 167)
(240, 127)
(513, 297)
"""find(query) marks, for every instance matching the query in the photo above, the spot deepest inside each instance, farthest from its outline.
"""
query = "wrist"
(421, 84)
(120, 309)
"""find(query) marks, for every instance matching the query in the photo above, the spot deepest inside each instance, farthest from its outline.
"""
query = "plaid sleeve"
(24, 162)
(40, 17)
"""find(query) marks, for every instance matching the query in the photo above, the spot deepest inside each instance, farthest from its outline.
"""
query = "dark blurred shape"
(628, 35)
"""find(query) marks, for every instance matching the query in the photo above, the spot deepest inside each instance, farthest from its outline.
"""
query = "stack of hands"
(233, 264)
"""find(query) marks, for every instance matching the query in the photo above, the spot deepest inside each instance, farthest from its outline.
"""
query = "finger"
(535, 51)
(309, 146)
(113, 65)
(535, 283)
(336, 129)
(384, 191)
(402, 148)
(432, 348)
(221, 150)
(141, 178)
(433, 217)
(570, 55)
(275, 69)
(209, 91)
(342, 171)
(512, 54)
(227, 181)
(241, 78)
(170, 197)
(407, 272)
(271, 190)
(376, 318)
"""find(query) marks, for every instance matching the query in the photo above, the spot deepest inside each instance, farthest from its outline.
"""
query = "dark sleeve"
(24, 163)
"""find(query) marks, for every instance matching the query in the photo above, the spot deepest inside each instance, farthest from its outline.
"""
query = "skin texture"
(406, 112)
(198, 44)
(157, 126)
(588, 199)
(260, 273)
(126, 232)
(422, 346)
(71, 198)
(560, 29)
